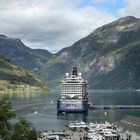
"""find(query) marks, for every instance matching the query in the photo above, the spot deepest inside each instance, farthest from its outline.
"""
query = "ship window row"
(70, 90)
(73, 85)
(68, 105)
(78, 92)
(73, 89)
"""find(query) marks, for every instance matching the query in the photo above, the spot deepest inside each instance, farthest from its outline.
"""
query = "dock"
(112, 107)
(126, 129)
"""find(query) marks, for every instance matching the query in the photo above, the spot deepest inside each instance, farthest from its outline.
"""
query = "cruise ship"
(74, 96)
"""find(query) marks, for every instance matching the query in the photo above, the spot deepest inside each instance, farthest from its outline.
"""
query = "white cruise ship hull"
(72, 106)
(74, 97)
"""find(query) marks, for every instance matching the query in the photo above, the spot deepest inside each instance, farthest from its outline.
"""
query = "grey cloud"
(131, 8)
(49, 24)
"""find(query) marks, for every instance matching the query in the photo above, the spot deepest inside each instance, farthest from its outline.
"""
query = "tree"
(23, 130)
(5, 115)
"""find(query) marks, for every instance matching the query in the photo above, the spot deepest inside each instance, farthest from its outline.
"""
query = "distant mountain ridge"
(23, 56)
(108, 57)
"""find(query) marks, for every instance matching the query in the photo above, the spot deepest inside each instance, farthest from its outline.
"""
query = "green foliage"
(22, 130)
(5, 115)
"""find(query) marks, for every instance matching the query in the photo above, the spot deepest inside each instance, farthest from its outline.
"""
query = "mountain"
(21, 55)
(15, 78)
(108, 57)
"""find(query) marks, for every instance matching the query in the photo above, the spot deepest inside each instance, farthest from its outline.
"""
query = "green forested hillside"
(14, 78)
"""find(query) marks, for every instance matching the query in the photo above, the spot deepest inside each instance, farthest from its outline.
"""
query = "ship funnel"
(75, 71)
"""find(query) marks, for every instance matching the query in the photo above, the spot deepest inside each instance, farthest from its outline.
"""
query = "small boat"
(35, 112)
(52, 101)
(63, 113)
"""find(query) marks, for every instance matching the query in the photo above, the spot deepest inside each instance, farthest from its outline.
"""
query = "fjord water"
(41, 110)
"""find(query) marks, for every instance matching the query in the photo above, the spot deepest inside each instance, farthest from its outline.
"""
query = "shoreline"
(16, 92)
(80, 133)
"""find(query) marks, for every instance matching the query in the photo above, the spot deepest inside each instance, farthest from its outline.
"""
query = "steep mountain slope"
(13, 77)
(109, 56)
(21, 55)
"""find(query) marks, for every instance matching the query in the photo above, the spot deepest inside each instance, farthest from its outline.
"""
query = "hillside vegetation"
(13, 78)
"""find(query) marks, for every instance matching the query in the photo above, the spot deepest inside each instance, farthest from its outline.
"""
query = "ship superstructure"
(74, 97)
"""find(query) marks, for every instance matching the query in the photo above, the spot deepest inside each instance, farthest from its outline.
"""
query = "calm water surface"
(40, 109)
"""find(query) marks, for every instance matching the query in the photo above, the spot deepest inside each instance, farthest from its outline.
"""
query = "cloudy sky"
(55, 24)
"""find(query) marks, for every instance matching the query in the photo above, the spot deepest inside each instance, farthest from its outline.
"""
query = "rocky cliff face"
(109, 57)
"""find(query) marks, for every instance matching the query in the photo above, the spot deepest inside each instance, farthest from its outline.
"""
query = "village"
(126, 129)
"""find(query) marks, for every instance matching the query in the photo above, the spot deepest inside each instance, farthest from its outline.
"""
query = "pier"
(107, 107)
